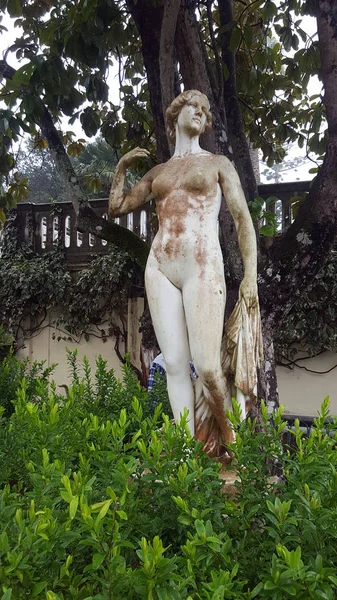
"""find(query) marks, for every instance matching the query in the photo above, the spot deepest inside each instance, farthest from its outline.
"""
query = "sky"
(300, 173)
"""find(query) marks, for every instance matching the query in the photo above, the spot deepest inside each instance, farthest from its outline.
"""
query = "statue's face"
(192, 117)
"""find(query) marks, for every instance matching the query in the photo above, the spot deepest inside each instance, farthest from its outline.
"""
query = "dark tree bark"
(166, 51)
(148, 15)
(235, 125)
(194, 72)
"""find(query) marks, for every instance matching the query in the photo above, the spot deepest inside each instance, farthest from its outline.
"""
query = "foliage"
(103, 498)
(96, 167)
(12, 372)
(6, 339)
(35, 164)
(6, 342)
(66, 51)
(275, 173)
(32, 284)
(99, 294)
(266, 220)
(311, 324)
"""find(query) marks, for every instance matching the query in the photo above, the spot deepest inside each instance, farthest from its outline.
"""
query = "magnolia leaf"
(268, 230)
(90, 121)
(14, 10)
(270, 10)
(235, 39)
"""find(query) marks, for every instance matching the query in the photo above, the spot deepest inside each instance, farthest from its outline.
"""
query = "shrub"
(103, 497)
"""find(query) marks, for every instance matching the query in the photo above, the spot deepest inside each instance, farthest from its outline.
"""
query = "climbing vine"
(90, 302)
(93, 302)
(311, 325)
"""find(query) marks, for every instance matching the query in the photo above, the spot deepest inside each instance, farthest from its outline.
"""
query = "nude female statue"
(184, 276)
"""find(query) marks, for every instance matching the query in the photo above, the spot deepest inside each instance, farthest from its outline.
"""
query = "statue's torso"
(188, 198)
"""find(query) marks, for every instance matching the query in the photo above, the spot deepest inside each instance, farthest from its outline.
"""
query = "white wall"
(302, 392)
(42, 347)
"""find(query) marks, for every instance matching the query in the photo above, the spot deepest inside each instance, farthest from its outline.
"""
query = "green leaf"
(114, 134)
(122, 514)
(51, 596)
(4, 124)
(200, 527)
(185, 519)
(271, 200)
(73, 507)
(32, 105)
(270, 10)
(38, 587)
(257, 589)
(90, 121)
(294, 41)
(235, 39)
(14, 8)
(7, 595)
(97, 560)
(103, 511)
(267, 230)
(23, 74)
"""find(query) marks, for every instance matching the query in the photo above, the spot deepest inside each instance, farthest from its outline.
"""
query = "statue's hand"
(248, 291)
(132, 156)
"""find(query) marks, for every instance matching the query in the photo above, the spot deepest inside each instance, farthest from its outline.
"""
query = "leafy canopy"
(66, 51)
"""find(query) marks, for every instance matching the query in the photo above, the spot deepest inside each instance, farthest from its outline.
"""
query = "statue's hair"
(172, 112)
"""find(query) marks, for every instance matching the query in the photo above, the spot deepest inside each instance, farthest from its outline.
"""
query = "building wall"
(302, 388)
(42, 347)
(302, 391)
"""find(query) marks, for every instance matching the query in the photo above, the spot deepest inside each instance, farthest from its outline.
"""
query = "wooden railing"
(44, 225)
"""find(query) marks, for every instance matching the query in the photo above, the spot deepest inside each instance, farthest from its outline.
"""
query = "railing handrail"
(42, 225)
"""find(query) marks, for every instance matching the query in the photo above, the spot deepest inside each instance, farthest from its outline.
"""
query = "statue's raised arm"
(121, 203)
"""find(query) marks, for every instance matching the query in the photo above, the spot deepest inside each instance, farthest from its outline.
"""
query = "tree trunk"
(148, 16)
(166, 51)
(235, 125)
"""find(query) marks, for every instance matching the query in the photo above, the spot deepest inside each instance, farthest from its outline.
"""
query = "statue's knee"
(176, 367)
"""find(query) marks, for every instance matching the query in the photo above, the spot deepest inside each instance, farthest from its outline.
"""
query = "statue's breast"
(194, 178)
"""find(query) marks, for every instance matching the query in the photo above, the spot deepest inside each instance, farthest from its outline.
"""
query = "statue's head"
(175, 107)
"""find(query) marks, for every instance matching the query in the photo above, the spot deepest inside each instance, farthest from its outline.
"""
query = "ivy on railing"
(92, 301)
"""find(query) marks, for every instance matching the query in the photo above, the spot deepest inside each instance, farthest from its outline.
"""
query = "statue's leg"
(168, 317)
(204, 301)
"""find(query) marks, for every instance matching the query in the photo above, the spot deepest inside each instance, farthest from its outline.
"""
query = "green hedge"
(102, 497)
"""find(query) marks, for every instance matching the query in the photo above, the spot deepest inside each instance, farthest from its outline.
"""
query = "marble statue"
(184, 276)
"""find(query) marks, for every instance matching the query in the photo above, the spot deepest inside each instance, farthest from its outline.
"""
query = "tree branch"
(235, 123)
(166, 51)
(87, 219)
(148, 21)
(326, 16)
